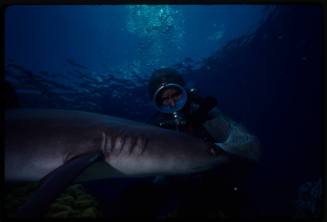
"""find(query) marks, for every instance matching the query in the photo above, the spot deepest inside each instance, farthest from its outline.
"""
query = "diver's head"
(166, 88)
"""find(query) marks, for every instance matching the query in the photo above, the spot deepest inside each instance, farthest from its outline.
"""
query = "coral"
(68, 199)
(73, 202)
(55, 207)
(90, 212)
(61, 214)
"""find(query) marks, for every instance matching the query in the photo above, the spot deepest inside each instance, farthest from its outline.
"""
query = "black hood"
(164, 75)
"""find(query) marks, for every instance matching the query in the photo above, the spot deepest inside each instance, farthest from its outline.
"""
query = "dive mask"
(179, 104)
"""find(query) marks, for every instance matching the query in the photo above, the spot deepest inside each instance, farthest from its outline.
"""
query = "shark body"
(37, 141)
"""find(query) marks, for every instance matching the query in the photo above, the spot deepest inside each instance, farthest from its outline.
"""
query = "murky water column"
(159, 30)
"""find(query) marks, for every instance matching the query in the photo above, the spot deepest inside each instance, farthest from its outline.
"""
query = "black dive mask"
(178, 120)
(180, 103)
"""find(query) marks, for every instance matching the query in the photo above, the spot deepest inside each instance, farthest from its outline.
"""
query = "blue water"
(262, 62)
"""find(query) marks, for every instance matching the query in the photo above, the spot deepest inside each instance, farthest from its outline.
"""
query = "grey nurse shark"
(37, 141)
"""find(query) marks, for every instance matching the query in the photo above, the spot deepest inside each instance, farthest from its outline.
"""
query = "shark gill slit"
(145, 142)
(112, 142)
(123, 139)
(133, 144)
(104, 144)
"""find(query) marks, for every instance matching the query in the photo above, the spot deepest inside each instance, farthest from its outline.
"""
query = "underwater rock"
(90, 212)
(309, 201)
(61, 214)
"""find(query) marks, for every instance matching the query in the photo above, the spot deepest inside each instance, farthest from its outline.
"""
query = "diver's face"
(170, 96)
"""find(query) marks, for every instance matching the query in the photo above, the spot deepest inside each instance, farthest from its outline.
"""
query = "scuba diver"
(183, 109)
(214, 193)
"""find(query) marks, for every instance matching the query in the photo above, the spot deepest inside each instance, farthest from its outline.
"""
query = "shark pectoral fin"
(97, 171)
(54, 183)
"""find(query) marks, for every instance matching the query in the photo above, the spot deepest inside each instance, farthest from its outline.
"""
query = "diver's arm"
(232, 137)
